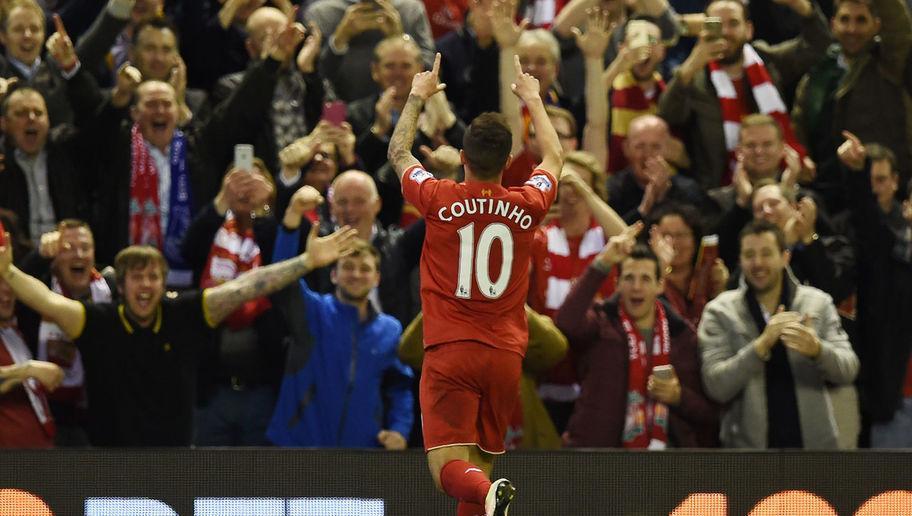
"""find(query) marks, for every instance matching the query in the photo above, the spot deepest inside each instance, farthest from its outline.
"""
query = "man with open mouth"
(140, 353)
(630, 337)
(65, 262)
(42, 182)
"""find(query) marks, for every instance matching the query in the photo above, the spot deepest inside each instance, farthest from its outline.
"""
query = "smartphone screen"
(335, 112)
(243, 156)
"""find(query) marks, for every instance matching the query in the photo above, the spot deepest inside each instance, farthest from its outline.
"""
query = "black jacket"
(67, 182)
(209, 149)
(884, 324)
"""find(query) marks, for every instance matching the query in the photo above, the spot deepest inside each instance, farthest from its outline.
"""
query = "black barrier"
(250, 482)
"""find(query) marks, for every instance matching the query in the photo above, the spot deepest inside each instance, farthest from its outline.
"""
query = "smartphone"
(713, 27)
(663, 372)
(243, 157)
(335, 112)
(2, 234)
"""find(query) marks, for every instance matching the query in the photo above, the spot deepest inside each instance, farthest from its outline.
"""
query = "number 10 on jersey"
(479, 256)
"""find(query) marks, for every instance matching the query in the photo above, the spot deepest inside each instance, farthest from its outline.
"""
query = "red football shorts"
(468, 393)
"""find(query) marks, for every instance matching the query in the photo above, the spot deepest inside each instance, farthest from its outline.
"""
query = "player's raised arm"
(424, 85)
(527, 89)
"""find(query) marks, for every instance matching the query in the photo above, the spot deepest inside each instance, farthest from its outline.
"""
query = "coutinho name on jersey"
(475, 206)
(498, 208)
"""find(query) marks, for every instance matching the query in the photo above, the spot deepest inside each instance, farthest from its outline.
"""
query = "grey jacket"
(733, 373)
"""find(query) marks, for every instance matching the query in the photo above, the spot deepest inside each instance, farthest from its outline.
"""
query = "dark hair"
(75, 224)
(19, 91)
(361, 247)
(743, 7)
(758, 227)
(138, 257)
(642, 252)
(20, 242)
(157, 23)
(871, 5)
(486, 144)
(688, 214)
(878, 152)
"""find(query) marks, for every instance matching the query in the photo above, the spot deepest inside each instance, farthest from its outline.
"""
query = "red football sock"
(464, 481)
(470, 509)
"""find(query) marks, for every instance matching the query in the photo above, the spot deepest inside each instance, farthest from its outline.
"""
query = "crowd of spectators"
(728, 263)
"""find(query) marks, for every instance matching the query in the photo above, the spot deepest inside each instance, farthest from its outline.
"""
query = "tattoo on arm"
(262, 281)
(400, 147)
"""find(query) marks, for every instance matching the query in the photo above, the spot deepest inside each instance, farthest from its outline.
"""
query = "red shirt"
(475, 259)
(445, 15)
(519, 170)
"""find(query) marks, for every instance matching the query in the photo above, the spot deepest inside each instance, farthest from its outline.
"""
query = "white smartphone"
(663, 372)
(243, 157)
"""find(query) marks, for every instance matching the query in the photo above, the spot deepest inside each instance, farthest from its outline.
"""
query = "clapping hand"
(307, 56)
(801, 337)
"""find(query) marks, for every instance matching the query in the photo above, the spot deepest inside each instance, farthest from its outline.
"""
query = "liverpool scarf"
(54, 345)
(234, 251)
(765, 94)
(145, 205)
(646, 420)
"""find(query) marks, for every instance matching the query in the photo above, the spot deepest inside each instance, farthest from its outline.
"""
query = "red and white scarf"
(646, 420)
(765, 94)
(49, 335)
(15, 346)
(234, 252)
(145, 220)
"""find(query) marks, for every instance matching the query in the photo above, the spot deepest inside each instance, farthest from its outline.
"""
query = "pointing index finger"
(436, 69)
(849, 136)
(58, 24)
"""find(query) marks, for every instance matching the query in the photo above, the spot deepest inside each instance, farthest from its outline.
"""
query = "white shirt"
(163, 165)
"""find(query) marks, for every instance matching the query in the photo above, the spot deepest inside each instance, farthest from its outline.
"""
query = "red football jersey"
(475, 260)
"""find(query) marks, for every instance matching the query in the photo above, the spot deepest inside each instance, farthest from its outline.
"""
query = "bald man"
(150, 163)
(648, 181)
(287, 100)
(353, 201)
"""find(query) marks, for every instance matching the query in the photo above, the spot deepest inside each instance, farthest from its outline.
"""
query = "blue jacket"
(339, 379)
